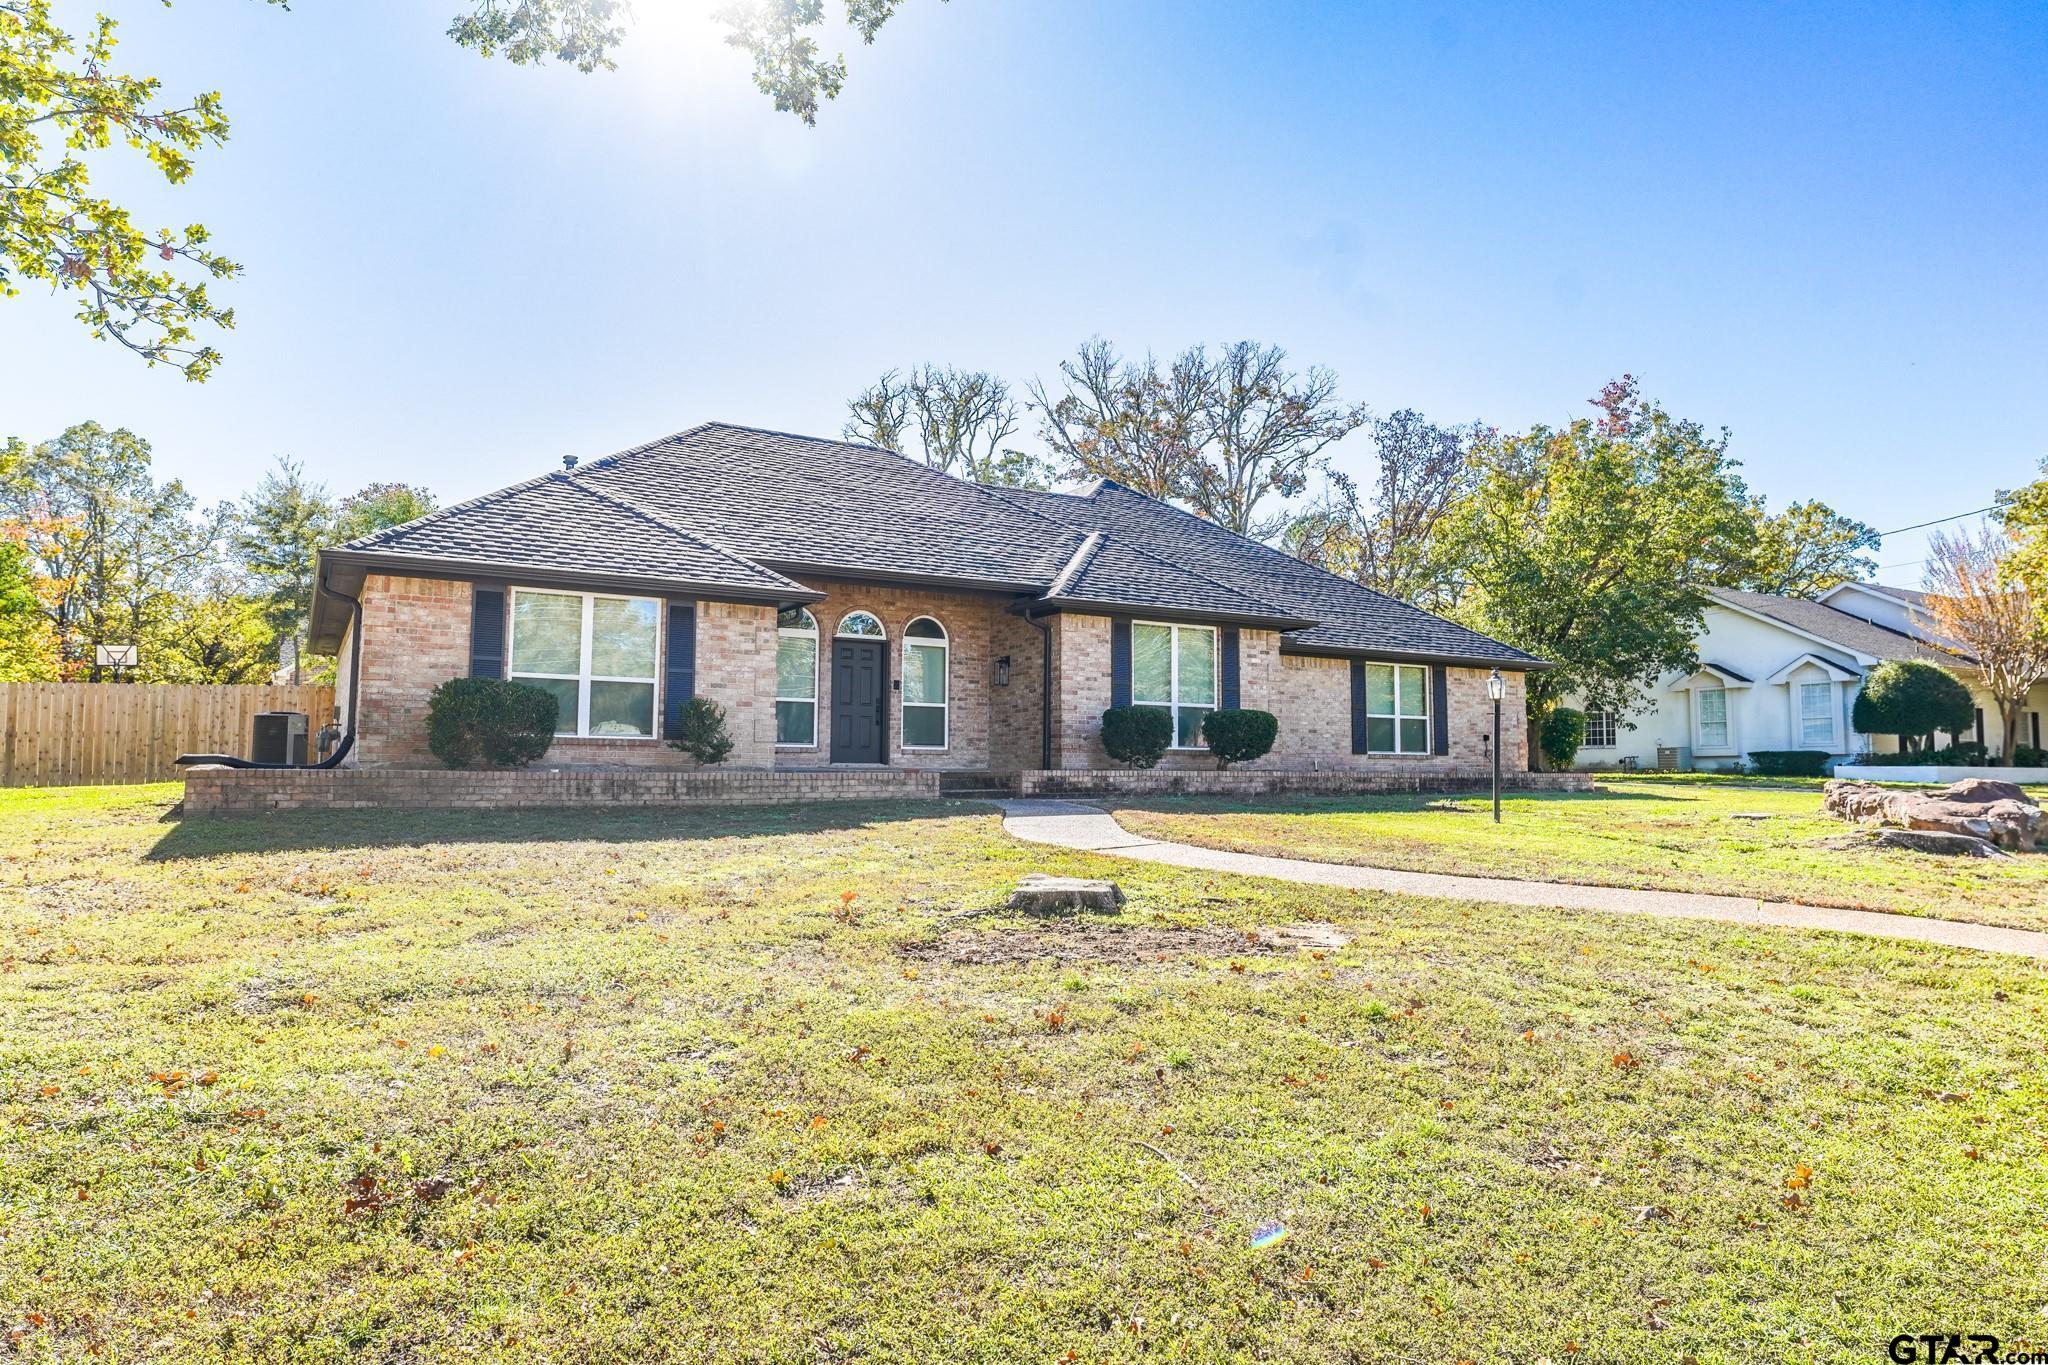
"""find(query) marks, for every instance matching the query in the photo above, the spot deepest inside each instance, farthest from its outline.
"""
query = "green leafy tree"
(378, 506)
(1803, 551)
(1593, 545)
(957, 421)
(281, 527)
(28, 647)
(219, 634)
(111, 547)
(1912, 698)
(2023, 512)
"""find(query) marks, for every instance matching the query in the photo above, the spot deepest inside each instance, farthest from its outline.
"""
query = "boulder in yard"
(1996, 812)
(1933, 841)
(1039, 894)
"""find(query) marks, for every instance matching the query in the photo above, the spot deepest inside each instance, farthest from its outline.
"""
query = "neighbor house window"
(1396, 709)
(1174, 667)
(1599, 729)
(796, 678)
(1817, 715)
(597, 654)
(1711, 705)
(925, 653)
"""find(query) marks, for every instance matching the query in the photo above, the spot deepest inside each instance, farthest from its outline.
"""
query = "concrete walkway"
(1071, 824)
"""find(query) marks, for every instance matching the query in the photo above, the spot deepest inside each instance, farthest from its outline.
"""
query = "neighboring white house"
(1783, 673)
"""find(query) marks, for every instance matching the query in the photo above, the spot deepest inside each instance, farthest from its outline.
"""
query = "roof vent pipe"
(568, 462)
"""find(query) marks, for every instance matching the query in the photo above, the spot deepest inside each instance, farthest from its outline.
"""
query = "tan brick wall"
(1016, 721)
(1080, 665)
(415, 637)
(973, 622)
(1314, 707)
(1247, 781)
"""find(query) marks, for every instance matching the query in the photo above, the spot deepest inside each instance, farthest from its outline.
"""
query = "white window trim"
(943, 642)
(1613, 740)
(817, 668)
(1176, 706)
(1797, 683)
(585, 677)
(1699, 744)
(1428, 720)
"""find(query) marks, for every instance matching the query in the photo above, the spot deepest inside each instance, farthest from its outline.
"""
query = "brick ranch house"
(852, 609)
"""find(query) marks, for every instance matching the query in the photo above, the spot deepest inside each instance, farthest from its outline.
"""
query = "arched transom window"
(926, 654)
(861, 624)
(796, 678)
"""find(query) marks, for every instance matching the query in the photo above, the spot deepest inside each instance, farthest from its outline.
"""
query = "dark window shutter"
(1119, 663)
(1358, 706)
(1230, 701)
(1980, 725)
(487, 632)
(2034, 724)
(680, 683)
(1439, 710)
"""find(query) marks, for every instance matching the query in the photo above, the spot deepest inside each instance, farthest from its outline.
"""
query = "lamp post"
(1496, 688)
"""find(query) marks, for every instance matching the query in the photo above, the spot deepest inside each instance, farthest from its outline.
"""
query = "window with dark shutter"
(487, 632)
(680, 676)
(1119, 663)
(1358, 706)
(1230, 689)
(1439, 711)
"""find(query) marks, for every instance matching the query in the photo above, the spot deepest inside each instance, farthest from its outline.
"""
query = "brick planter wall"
(1266, 782)
(240, 791)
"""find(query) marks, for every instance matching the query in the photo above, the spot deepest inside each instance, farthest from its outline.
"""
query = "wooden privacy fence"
(74, 734)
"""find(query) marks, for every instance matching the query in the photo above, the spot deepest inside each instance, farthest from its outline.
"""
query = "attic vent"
(568, 462)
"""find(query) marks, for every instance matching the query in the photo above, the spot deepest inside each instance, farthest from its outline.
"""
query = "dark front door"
(858, 682)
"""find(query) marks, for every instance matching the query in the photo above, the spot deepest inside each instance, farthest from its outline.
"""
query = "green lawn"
(622, 1085)
(1682, 834)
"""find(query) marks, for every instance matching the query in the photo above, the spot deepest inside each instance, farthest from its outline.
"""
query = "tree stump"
(1039, 894)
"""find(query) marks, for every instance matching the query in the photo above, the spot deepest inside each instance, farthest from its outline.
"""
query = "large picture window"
(599, 656)
(1396, 709)
(796, 679)
(1174, 667)
(925, 711)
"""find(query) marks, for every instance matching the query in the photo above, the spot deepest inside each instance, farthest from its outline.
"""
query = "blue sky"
(1820, 226)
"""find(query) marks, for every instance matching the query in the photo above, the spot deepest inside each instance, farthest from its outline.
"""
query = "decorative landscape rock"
(1933, 841)
(1996, 812)
(1039, 894)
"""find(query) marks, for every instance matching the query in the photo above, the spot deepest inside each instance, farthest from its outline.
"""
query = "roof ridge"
(1076, 562)
(695, 537)
(481, 500)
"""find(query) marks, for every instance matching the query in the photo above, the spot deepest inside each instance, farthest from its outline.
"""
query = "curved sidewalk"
(1071, 824)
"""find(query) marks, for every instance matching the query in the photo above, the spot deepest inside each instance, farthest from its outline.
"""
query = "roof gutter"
(1414, 656)
(439, 566)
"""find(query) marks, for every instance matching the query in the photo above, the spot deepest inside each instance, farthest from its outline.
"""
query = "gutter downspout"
(355, 651)
(1045, 690)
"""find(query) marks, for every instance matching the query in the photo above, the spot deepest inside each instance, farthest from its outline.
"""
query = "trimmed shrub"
(1564, 730)
(1239, 736)
(1137, 736)
(1789, 762)
(1912, 698)
(2027, 756)
(703, 734)
(1968, 754)
(489, 723)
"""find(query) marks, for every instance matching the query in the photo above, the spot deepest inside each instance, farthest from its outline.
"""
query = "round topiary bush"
(1137, 736)
(1564, 730)
(1239, 736)
(1912, 698)
(489, 723)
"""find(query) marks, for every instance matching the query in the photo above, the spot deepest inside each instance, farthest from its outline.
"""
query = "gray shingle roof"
(727, 505)
(1350, 618)
(1850, 632)
(557, 523)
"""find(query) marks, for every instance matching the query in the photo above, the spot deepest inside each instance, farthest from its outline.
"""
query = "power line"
(1923, 525)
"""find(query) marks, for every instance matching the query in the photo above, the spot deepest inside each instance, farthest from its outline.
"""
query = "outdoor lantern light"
(1496, 689)
(1003, 671)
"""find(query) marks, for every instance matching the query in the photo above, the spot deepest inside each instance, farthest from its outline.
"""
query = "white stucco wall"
(1761, 714)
